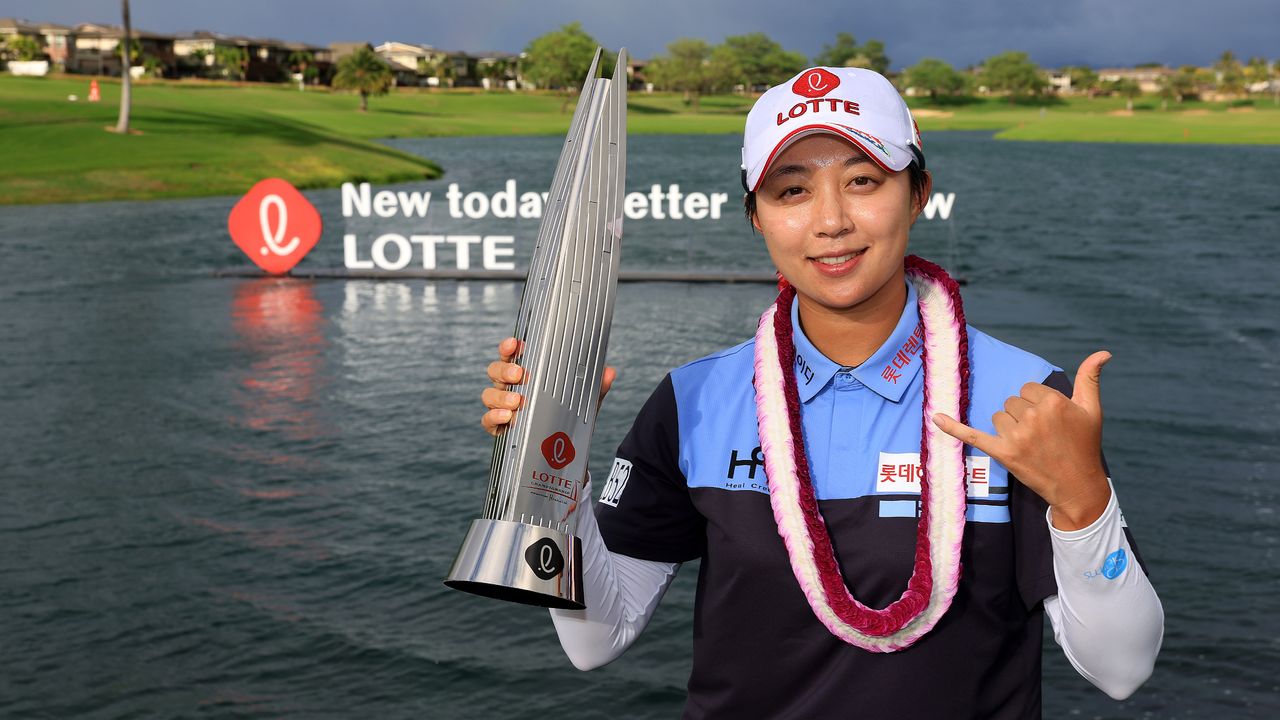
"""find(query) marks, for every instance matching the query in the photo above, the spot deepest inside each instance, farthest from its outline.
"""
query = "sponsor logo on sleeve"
(616, 483)
(1113, 566)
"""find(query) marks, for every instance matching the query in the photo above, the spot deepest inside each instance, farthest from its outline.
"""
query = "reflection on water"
(360, 295)
(279, 327)
(280, 323)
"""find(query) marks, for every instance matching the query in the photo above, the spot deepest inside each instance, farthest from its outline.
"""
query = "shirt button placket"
(846, 430)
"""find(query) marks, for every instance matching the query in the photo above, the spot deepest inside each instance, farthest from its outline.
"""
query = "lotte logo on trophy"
(523, 548)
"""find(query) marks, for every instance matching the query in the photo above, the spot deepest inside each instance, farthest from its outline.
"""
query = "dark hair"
(915, 175)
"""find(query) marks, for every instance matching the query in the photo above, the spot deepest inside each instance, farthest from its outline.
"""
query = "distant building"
(424, 65)
(1060, 81)
(321, 61)
(1149, 79)
(339, 50)
(267, 59)
(195, 52)
(411, 64)
(462, 69)
(636, 79)
(97, 49)
(57, 41)
(12, 27)
(497, 69)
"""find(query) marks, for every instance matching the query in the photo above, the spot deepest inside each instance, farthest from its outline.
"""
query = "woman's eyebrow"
(794, 169)
(788, 170)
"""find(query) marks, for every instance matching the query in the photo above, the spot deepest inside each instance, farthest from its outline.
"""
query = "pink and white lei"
(936, 570)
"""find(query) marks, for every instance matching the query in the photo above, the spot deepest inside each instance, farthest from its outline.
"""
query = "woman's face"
(835, 222)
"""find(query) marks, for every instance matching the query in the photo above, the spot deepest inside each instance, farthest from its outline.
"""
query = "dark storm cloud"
(1095, 32)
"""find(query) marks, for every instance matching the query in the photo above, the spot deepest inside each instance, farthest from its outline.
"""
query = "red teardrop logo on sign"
(558, 450)
(274, 225)
(815, 83)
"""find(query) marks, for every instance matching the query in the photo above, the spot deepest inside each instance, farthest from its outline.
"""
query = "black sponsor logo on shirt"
(755, 461)
(803, 368)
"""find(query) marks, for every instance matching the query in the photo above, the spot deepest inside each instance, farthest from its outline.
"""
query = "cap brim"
(842, 131)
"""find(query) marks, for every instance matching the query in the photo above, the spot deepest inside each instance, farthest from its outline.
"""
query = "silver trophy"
(524, 548)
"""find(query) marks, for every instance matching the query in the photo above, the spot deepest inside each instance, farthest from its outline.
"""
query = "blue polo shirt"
(689, 482)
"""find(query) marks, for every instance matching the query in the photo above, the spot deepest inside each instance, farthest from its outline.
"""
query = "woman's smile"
(837, 265)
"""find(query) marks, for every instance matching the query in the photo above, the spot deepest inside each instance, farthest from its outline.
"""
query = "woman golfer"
(886, 501)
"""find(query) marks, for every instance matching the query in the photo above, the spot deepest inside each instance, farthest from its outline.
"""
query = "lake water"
(230, 497)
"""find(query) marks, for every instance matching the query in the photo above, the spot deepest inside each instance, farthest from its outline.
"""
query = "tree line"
(754, 62)
(1015, 74)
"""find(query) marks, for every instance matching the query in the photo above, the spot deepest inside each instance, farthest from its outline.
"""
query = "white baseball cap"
(859, 105)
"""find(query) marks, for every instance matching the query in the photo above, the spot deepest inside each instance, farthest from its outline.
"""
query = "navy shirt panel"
(659, 521)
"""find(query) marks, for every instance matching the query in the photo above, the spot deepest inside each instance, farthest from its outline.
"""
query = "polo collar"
(813, 369)
(889, 370)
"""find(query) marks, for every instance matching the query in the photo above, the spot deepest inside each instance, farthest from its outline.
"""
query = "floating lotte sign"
(274, 225)
(393, 251)
(397, 251)
(659, 203)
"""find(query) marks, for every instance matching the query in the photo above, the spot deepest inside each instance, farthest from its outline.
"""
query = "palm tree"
(233, 60)
(495, 72)
(299, 60)
(364, 72)
(126, 44)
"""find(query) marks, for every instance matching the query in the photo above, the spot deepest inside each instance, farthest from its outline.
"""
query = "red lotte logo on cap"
(274, 225)
(815, 83)
(558, 450)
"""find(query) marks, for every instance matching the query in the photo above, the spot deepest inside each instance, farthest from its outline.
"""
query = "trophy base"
(521, 563)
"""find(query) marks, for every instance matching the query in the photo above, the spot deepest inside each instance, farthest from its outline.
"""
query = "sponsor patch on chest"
(901, 473)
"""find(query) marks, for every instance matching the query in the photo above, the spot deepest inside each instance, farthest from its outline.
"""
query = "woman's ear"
(749, 205)
(919, 200)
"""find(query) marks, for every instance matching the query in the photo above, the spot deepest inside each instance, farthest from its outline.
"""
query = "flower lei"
(936, 571)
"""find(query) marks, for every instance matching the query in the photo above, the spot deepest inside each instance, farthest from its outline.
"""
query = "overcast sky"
(1055, 33)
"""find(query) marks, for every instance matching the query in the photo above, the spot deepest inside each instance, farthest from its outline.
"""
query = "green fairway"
(193, 141)
(200, 138)
(1107, 120)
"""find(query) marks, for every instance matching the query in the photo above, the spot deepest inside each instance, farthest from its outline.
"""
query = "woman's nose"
(832, 219)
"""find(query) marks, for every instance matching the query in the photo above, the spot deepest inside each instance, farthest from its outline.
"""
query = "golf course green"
(197, 138)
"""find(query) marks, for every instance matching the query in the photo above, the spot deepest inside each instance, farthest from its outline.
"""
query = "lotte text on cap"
(860, 105)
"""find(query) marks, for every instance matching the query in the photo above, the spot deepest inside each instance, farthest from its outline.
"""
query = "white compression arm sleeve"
(621, 593)
(1106, 615)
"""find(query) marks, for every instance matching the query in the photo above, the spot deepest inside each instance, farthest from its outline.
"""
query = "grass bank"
(1106, 119)
(201, 138)
(192, 141)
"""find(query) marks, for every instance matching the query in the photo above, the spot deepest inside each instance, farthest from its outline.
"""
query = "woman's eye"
(863, 180)
(791, 191)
